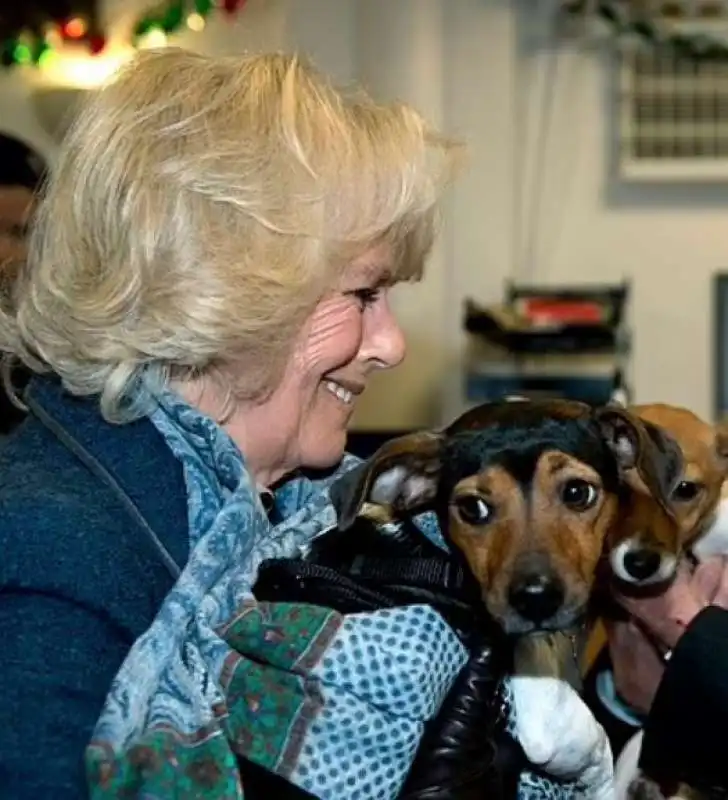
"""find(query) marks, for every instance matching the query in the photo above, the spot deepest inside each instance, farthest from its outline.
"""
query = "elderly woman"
(205, 300)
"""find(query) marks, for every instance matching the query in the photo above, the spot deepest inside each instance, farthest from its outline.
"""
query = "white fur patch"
(400, 484)
(559, 733)
(668, 563)
(624, 449)
(714, 542)
(619, 398)
(388, 485)
(627, 768)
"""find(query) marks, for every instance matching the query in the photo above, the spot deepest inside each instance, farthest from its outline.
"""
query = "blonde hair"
(199, 210)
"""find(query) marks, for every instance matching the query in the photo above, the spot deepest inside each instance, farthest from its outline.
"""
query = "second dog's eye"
(685, 491)
(579, 494)
(474, 510)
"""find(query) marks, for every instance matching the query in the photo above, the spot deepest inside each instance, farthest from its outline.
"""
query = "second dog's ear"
(402, 475)
(647, 449)
(721, 444)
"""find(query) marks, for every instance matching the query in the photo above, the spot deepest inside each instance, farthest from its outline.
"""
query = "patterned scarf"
(336, 704)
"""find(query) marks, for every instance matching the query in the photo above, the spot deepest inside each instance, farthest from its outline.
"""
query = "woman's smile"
(343, 391)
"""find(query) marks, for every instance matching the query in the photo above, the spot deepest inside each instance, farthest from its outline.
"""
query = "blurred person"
(21, 172)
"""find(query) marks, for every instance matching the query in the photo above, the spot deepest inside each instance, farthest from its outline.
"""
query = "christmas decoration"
(626, 23)
(34, 37)
(29, 31)
(153, 28)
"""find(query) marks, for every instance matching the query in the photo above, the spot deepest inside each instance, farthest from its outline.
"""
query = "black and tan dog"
(527, 493)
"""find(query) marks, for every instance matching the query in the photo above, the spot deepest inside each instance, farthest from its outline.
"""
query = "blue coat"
(93, 531)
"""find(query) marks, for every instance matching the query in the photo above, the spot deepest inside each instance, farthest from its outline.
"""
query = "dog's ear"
(650, 451)
(721, 444)
(401, 475)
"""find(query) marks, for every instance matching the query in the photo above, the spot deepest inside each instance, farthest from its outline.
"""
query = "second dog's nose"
(536, 596)
(641, 563)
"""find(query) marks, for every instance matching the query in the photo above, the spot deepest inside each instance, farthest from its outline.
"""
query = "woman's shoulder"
(65, 533)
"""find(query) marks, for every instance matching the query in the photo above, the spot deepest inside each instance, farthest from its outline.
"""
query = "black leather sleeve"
(261, 784)
(466, 753)
(684, 735)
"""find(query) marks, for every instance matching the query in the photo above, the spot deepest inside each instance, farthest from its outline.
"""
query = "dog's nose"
(536, 596)
(641, 564)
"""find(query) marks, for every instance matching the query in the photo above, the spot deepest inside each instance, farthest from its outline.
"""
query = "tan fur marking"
(534, 522)
(704, 450)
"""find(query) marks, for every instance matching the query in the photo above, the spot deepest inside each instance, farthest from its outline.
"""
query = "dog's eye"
(685, 491)
(579, 494)
(473, 510)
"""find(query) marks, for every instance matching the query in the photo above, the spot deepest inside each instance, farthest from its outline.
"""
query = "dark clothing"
(618, 730)
(88, 554)
(683, 734)
(20, 165)
(10, 414)
(683, 739)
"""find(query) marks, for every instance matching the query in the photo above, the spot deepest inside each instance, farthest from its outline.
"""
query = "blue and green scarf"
(336, 704)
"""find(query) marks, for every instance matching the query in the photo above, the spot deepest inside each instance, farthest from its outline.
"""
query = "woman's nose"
(383, 341)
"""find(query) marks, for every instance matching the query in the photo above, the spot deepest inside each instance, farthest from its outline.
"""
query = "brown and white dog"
(647, 545)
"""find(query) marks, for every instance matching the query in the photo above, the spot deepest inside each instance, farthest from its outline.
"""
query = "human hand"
(637, 665)
(667, 615)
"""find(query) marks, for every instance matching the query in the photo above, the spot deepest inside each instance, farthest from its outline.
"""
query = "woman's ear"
(402, 475)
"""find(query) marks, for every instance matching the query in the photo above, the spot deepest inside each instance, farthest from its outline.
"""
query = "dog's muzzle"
(537, 597)
(641, 565)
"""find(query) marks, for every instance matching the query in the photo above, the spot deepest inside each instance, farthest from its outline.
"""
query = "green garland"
(696, 46)
(169, 19)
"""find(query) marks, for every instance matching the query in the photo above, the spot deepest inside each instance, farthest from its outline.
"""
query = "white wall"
(400, 56)
(473, 66)
(668, 240)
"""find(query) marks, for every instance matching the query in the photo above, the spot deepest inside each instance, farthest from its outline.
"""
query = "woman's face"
(350, 334)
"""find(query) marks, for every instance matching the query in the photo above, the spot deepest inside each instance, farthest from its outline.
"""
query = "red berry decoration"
(97, 44)
(231, 6)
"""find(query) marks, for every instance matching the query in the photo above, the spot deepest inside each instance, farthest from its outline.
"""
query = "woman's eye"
(579, 495)
(366, 297)
(474, 510)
